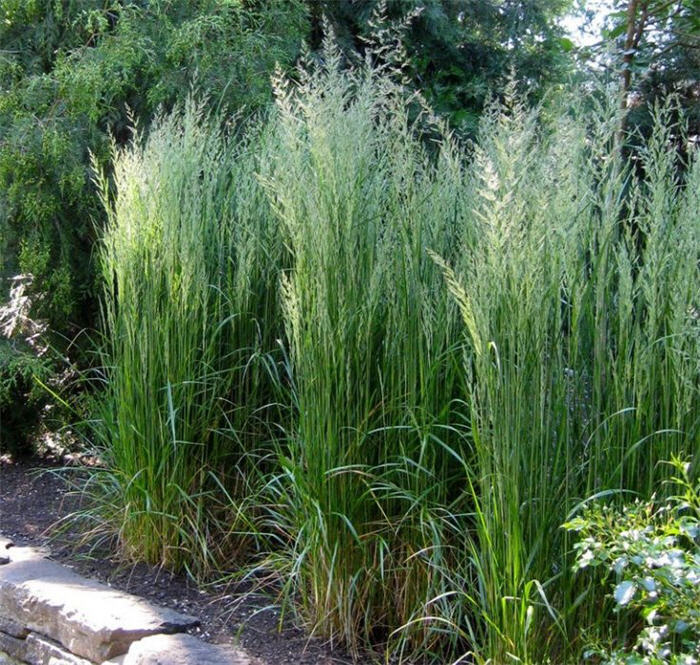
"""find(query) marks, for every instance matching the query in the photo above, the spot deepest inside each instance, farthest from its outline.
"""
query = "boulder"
(182, 650)
(11, 628)
(87, 618)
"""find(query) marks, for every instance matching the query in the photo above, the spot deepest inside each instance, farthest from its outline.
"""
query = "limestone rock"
(118, 660)
(6, 659)
(13, 646)
(12, 628)
(87, 618)
(182, 650)
(43, 651)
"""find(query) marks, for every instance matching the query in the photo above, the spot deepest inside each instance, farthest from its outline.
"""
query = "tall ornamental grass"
(425, 507)
(578, 289)
(396, 363)
(370, 463)
(188, 263)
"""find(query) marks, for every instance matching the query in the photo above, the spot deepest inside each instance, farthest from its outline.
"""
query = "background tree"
(658, 44)
(72, 72)
(460, 51)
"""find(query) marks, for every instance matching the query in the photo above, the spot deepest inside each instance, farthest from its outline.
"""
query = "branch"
(641, 26)
(629, 39)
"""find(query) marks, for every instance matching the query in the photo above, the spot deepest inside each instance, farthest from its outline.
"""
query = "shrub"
(25, 363)
(21, 397)
(652, 551)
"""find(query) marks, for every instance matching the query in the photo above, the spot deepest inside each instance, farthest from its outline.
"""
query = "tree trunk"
(637, 14)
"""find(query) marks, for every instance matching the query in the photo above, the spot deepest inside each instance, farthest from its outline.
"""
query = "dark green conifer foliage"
(71, 74)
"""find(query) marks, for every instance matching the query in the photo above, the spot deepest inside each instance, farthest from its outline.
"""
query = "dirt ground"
(32, 501)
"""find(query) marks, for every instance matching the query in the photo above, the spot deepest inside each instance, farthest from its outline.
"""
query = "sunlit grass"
(189, 277)
(374, 363)
(577, 289)
(395, 364)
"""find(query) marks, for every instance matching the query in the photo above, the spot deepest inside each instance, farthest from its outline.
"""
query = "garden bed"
(33, 503)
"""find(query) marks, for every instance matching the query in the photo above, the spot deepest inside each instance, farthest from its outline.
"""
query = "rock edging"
(49, 615)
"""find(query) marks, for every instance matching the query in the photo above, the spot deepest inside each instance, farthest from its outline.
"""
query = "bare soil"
(33, 501)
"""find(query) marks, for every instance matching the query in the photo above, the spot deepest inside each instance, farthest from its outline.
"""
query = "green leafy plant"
(652, 552)
(26, 363)
(459, 52)
(21, 396)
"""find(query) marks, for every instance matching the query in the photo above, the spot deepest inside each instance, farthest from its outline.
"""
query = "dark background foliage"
(72, 74)
(461, 51)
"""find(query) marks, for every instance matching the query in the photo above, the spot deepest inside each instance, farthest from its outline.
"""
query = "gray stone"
(118, 660)
(12, 628)
(182, 650)
(88, 618)
(43, 651)
(5, 545)
(13, 646)
(6, 659)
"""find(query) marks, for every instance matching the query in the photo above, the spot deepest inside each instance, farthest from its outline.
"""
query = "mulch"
(33, 500)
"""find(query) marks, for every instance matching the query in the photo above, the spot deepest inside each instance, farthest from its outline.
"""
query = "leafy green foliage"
(653, 552)
(21, 396)
(26, 362)
(459, 52)
(654, 47)
(71, 73)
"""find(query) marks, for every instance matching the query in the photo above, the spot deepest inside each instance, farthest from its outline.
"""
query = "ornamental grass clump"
(188, 267)
(390, 366)
(578, 291)
(372, 458)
